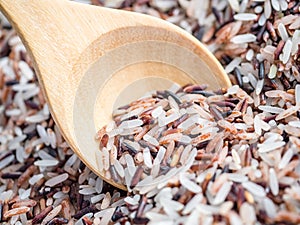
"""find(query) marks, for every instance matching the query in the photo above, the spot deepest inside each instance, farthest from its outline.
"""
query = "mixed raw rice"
(248, 173)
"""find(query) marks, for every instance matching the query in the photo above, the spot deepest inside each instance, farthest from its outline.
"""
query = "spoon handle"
(55, 32)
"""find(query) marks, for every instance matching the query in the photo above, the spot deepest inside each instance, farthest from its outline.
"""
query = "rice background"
(257, 42)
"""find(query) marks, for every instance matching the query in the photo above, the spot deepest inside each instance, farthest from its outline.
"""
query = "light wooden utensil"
(90, 60)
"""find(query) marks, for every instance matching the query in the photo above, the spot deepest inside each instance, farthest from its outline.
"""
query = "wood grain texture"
(90, 59)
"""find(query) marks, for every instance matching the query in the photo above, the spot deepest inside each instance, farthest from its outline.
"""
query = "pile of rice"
(252, 165)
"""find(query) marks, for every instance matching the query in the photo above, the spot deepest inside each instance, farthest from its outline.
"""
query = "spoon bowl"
(89, 60)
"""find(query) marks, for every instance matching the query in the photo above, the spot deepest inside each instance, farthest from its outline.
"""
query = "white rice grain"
(262, 20)
(282, 32)
(188, 184)
(163, 121)
(267, 9)
(35, 178)
(44, 155)
(222, 193)
(243, 38)
(57, 179)
(273, 71)
(99, 185)
(87, 191)
(160, 155)
(295, 41)
(132, 113)
(273, 182)
(233, 64)
(234, 5)
(295, 123)
(259, 86)
(25, 194)
(46, 162)
(250, 54)
(13, 112)
(245, 16)
(271, 109)
(6, 161)
(23, 87)
(119, 168)
(295, 25)
(243, 5)
(254, 188)
(286, 51)
(151, 140)
(30, 93)
(288, 112)
(191, 205)
(252, 79)
(6, 195)
(283, 5)
(297, 94)
(25, 70)
(269, 207)
(275, 5)
(247, 212)
(234, 219)
(258, 9)
(105, 159)
(157, 112)
(131, 124)
(97, 198)
(267, 147)
(36, 118)
(236, 177)
(288, 155)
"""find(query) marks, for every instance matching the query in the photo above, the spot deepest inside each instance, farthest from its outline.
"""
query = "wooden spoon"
(89, 60)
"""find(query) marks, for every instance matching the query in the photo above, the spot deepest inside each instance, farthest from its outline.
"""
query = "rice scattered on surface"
(250, 175)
